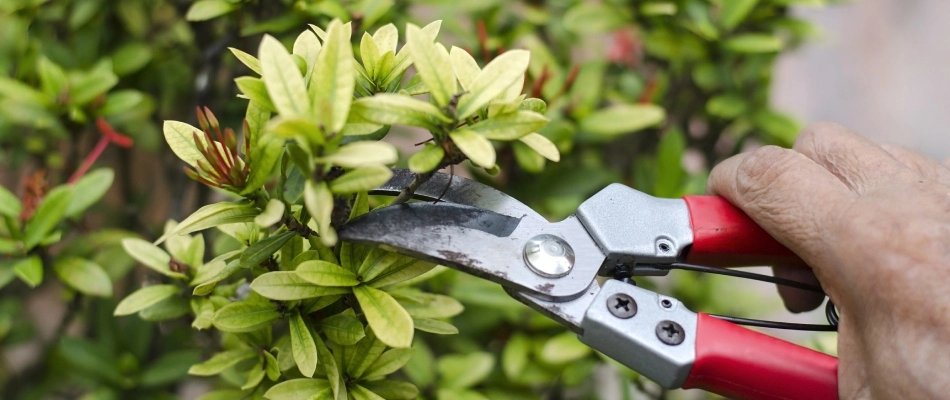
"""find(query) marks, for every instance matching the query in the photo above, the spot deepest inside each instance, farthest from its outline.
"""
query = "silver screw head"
(670, 332)
(621, 305)
(549, 256)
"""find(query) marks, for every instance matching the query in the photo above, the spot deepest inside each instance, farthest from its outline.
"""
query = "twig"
(406, 193)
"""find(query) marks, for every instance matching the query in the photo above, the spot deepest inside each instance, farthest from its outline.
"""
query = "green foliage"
(253, 289)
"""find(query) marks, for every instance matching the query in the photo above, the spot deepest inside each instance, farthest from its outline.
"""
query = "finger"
(787, 194)
(797, 300)
(857, 162)
(919, 163)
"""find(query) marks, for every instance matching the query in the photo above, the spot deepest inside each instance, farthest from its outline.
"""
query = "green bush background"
(647, 93)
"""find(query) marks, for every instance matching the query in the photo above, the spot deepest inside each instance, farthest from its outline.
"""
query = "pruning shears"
(552, 267)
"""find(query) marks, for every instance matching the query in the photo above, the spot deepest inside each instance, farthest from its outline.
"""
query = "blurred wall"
(882, 69)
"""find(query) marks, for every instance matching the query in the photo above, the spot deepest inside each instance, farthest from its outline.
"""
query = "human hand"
(873, 222)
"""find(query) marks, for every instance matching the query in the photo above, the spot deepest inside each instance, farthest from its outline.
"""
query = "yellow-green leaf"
(144, 298)
(434, 326)
(616, 120)
(476, 147)
(386, 38)
(255, 90)
(331, 90)
(460, 371)
(203, 10)
(494, 80)
(291, 128)
(319, 203)
(181, 139)
(304, 348)
(734, 11)
(84, 276)
(296, 389)
(510, 126)
(308, 47)
(29, 270)
(358, 154)
(289, 286)
(245, 316)
(396, 109)
(343, 329)
(48, 214)
(563, 348)
(389, 362)
(221, 361)
(150, 256)
(754, 43)
(10, 205)
(247, 59)
(358, 392)
(544, 146)
(273, 213)
(465, 67)
(426, 159)
(432, 64)
(369, 54)
(92, 187)
(213, 215)
(283, 80)
(323, 273)
(389, 321)
(362, 178)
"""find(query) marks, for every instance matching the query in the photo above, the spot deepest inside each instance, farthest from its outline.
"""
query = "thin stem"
(407, 192)
(89, 160)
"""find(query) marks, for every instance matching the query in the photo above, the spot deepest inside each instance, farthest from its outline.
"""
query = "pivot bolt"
(670, 332)
(549, 256)
(622, 305)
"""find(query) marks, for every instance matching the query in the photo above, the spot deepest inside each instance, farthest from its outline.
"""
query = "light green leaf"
(271, 367)
(669, 169)
(386, 38)
(245, 316)
(256, 117)
(221, 361)
(92, 186)
(255, 376)
(510, 126)
(726, 106)
(86, 86)
(248, 60)
(563, 348)
(256, 91)
(616, 120)
(465, 67)
(432, 64)
(494, 80)
(588, 18)
(213, 215)
(358, 154)
(169, 368)
(476, 147)
(273, 213)
(228, 394)
(144, 298)
(150, 256)
(288, 286)
(131, 57)
(52, 77)
(514, 358)
(48, 214)
(326, 274)
(378, 261)
(29, 270)
(10, 205)
(332, 90)
(391, 389)
(733, 12)
(264, 249)
(655, 9)
(405, 269)
(390, 361)
(426, 159)
(362, 178)
(204, 312)
(389, 321)
(402, 60)
(291, 128)
(434, 326)
(343, 329)
(396, 109)
(430, 305)
(170, 308)
(203, 10)
(358, 392)
(421, 368)
(460, 371)
(780, 127)
(754, 43)
(319, 203)
(369, 54)
(283, 80)
(181, 139)
(207, 285)
(307, 46)
(544, 146)
(296, 389)
(304, 348)
(366, 352)
(83, 275)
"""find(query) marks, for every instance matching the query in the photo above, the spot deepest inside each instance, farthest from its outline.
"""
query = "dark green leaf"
(264, 249)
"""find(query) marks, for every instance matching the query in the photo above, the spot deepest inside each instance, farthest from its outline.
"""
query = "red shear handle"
(739, 363)
(724, 236)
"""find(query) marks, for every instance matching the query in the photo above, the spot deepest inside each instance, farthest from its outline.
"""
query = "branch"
(406, 193)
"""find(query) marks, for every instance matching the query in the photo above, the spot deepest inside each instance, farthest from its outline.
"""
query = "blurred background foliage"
(647, 93)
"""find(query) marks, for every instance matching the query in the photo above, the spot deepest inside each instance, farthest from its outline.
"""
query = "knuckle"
(822, 139)
(763, 169)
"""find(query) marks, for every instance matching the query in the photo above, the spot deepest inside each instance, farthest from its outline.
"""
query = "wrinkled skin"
(873, 222)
